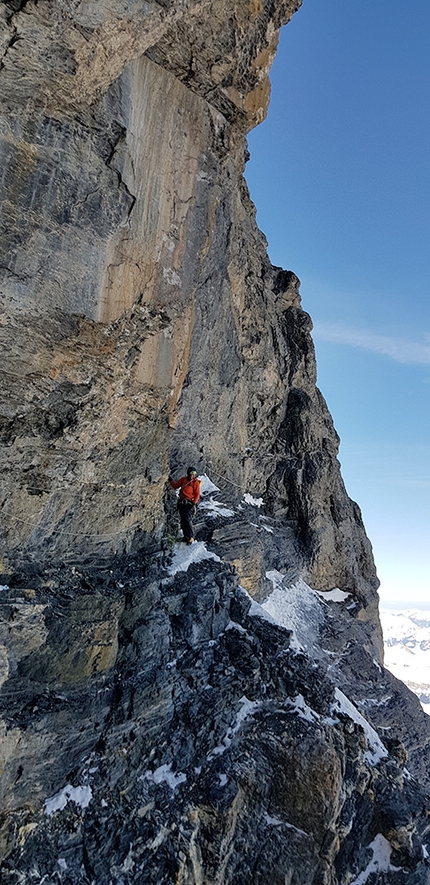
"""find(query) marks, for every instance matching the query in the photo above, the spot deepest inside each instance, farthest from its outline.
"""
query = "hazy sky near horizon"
(340, 175)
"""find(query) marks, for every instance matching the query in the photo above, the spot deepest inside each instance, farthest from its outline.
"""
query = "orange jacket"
(190, 489)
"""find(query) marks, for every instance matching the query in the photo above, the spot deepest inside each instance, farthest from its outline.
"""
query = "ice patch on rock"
(334, 595)
(79, 795)
(257, 611)
(376, 702)
(255, 502)
(164, 775)
(300, 707)
(215, 508)
(376, 751)
(206, 484)
(185, 554)
(233, 625)
(297, 608)
(272, 821)
(275, 822)
(380, 861)
(246, 711)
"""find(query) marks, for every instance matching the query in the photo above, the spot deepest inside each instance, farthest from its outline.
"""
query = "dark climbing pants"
(186, 515)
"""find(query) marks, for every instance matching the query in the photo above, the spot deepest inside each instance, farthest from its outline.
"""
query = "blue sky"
(340, 175)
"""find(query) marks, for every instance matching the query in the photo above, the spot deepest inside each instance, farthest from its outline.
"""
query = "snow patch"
(215, 508)
(277, 578)
(305, 712)
(233, 625)
(185, 554)
(296, 607)
(266, 528)
(376, 751)
(334, 595)
(3, 587)
(257, 611)
(222, 780)
(218, 750)
(164, 775)
(206, 484)
(275, 822)
(255, 502)
(377, 702)
(79, 795)
(246, 711)
(380, 861)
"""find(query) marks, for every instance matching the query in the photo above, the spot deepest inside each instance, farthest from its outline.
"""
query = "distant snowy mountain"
(407, 649)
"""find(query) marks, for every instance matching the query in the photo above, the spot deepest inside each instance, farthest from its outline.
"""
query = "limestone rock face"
(143, 322)
(154, 729)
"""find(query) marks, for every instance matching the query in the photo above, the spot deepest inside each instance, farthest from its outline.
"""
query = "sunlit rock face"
(143, 323)
(154, 729)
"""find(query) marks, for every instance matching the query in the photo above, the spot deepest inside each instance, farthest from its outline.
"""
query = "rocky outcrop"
(159, 727)
(144, 328)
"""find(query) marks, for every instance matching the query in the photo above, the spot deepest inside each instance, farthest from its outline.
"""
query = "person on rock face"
(189, 495)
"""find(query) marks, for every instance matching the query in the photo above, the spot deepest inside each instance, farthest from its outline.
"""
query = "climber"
(189, 495)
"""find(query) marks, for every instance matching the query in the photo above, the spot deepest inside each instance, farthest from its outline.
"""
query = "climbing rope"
(102, 536)
(224, 478)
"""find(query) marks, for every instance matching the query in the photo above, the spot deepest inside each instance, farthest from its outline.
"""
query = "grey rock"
(157, 727)
(200, 737)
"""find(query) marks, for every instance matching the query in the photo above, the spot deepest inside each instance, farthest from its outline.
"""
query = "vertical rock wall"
(111, 175)
(142, 321)
(155, 727)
